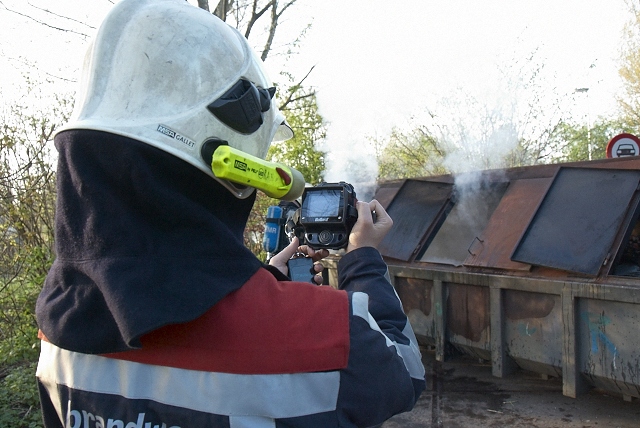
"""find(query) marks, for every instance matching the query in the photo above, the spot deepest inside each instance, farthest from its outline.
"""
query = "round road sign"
(623, 145)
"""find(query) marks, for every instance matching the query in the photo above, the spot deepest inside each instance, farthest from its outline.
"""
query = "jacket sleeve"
(385, 375)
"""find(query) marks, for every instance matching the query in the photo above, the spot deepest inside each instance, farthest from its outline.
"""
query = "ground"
(462, 392)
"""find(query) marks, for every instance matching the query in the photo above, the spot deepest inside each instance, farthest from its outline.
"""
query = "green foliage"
(19, 346)
(19, 401)
(416, 153)
(27, 204)
(630, 67)
(575, 139)
(301, 152)
(300, 108)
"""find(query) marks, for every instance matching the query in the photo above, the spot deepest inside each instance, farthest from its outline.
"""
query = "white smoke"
(355, 164)
(486, 150)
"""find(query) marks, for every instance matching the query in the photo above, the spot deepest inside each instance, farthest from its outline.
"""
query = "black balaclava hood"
(143, 239)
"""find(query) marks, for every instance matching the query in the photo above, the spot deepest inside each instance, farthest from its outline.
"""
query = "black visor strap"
(241, 107)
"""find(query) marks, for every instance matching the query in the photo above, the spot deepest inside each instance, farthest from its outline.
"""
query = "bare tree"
(248, 16)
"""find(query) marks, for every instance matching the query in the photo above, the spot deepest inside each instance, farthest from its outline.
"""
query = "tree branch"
(275, 16)
(256, 15)
(61, 16)
(293, 89)
(204, 4)
(42, 23)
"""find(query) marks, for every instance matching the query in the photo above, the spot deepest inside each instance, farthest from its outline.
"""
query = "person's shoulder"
(264, 289)
(266, 326)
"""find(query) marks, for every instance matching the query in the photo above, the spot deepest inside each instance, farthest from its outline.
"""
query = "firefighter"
(154, 313)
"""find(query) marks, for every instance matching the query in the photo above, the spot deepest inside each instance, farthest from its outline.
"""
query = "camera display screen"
(325, 203)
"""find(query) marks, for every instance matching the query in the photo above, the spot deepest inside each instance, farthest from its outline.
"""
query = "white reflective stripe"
(410, 354)
(360, 303)
(272, 396)
(251, 422)
(48, 383)
(387, 276)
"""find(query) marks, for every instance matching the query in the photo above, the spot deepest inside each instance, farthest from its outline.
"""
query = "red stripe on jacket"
(265, 327)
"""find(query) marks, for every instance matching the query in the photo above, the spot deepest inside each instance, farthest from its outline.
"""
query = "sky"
(377, 66)
(380, 63)
(438, 44)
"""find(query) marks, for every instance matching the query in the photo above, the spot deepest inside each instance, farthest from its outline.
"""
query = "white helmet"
(176, 77)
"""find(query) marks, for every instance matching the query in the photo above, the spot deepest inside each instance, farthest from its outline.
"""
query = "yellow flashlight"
(274, 179)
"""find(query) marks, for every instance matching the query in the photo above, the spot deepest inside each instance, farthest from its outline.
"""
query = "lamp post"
(586, 92)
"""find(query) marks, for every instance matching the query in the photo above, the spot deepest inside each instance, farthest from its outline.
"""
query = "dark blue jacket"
(272, 354)
(155, 315)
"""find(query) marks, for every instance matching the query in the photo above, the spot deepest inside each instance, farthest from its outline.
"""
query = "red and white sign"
(623, 145)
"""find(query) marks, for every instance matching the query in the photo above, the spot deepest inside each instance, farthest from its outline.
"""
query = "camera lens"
(325, 237)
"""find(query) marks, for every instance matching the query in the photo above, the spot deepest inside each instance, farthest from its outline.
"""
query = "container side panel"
(577, 222)
(608, 344)
(417, 301)
(468, 312)
(415, 209)
(386, 192)
(498, 240)
(533, 331)
(466, 221)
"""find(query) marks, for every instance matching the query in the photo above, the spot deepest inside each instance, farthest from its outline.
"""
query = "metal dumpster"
(529, 268)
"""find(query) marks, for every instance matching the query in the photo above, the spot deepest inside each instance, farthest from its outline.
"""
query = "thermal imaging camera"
(327, 215)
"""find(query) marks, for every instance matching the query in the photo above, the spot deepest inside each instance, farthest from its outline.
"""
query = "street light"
(586, 92)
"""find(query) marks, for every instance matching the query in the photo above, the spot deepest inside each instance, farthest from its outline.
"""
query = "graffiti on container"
(525, 330)
(596, 324)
